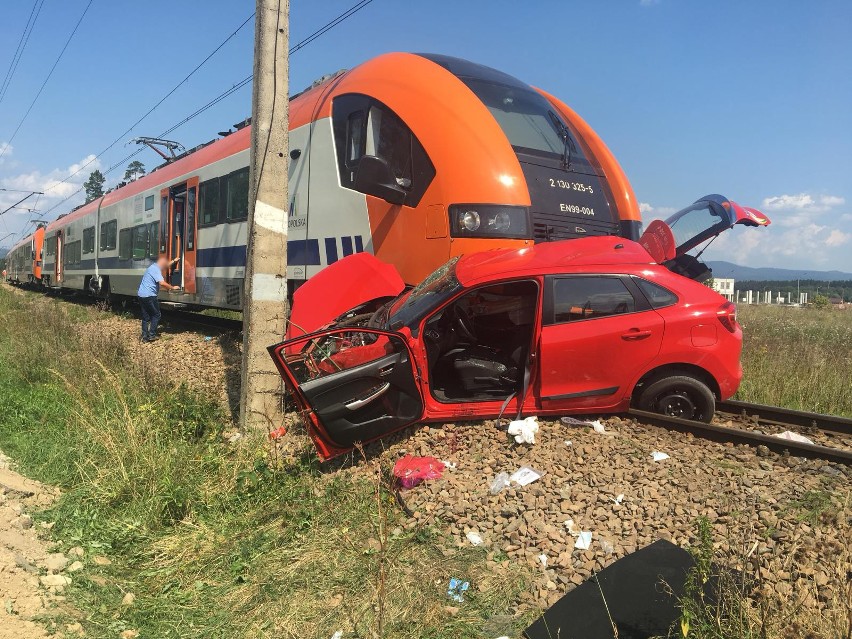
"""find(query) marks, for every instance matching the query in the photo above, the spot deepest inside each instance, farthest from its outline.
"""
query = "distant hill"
(728, 269)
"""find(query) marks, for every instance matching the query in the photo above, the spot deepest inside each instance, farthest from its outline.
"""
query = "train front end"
(456, 158)
(576, 187)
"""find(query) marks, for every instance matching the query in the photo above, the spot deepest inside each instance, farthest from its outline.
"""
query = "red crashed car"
(591, 325)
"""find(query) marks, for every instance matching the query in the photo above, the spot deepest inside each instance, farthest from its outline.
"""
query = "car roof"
(550, 257)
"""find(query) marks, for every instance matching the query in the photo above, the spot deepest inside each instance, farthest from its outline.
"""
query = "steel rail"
(787, 416)
(207, 321)
(738, 436)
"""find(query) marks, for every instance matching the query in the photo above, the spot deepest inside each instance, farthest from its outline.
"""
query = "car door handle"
(635, 334)
(358, 403)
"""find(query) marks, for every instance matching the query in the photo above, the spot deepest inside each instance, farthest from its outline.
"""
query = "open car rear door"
(669, 241)
(354, 384)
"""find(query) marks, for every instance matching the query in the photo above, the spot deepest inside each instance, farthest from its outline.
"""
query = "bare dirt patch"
(27, 568)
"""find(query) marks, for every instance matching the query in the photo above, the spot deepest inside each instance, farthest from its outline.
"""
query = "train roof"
(301, 112)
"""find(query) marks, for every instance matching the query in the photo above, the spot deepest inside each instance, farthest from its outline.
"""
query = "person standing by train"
(149, 287)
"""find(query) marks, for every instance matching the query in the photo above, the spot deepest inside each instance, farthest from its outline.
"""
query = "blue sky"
(748, 99)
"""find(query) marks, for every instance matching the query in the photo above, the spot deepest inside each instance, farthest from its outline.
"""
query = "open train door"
(178, 232)
(60, 256)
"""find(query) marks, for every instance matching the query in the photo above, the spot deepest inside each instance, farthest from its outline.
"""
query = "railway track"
(759, 414)
(198, 320)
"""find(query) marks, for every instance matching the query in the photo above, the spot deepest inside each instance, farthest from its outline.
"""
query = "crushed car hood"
(339, 287)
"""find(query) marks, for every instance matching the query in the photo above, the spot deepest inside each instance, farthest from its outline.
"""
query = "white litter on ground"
(584, 540)
(619, 498)
(793, 437)
(542, 559)
(473, 538)
(568, 442)
(337, 635)
(598, 426)
(658, 456)
(571, 527)
(607, 547)
(448, 464)
(500, 481)
(525, 475)
(524, 430)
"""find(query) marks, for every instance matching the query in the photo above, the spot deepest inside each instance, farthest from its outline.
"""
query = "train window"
(354, 139)
(89, 240)
(50, 245)
(164, 222)
(581, 298)
(190, 219)
(365, 126)
(209, 203)
(125, 246)
(238, 195)
(108, 233)
(72, 253)
(149, 202)
(153, 234)
(139, 235)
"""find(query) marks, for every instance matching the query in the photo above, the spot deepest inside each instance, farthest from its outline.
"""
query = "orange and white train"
(415, 158)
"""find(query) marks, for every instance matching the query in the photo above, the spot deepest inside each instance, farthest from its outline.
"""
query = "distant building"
(724, 286)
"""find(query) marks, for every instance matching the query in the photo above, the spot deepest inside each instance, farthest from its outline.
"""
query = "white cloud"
(837, 238)
(788, 202)
(7, 160)
(650, 212)
(831, 201)
(51, 184)
(802, 202)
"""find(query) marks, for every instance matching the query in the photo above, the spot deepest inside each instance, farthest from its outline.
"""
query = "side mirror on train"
(374, 177)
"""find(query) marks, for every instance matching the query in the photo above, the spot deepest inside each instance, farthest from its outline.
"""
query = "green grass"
(797, 358)
(215, 541)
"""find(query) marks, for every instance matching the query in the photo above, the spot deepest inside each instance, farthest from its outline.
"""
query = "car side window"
(583, 298)
(363, 126)
(658, 296)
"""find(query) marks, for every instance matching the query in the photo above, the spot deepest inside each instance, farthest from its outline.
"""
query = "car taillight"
(727, 314)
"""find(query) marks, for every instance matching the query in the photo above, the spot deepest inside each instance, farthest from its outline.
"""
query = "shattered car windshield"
(429, 294)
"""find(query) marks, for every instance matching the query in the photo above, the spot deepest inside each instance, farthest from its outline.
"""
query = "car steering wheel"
(463, 323)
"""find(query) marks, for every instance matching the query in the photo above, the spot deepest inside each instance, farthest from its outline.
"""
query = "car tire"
(679, 396)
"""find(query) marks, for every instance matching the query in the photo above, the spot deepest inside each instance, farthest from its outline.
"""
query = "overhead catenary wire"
(46, 79)
(22, 45)
(230, 91)
(158, 103)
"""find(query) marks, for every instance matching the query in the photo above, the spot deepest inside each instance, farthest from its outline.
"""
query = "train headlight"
(489, 220)
(500, 222)
(469, 220)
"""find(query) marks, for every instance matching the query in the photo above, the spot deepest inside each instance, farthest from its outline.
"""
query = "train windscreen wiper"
(567, 143)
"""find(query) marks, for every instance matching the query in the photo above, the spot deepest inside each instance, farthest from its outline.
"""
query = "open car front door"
(669, 241)
(355, 385)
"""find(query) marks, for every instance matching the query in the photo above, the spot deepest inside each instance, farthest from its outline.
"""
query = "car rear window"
(582, 298)
(657, 296)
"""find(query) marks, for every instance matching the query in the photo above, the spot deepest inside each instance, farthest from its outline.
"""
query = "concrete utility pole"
(265, 303)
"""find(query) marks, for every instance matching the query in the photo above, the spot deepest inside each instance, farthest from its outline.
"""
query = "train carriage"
(24, 259)
(414, 158)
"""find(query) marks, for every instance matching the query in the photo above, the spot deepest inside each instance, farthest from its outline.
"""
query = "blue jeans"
(150, 316)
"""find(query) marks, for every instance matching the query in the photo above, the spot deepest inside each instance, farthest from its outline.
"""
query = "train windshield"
(526, 118)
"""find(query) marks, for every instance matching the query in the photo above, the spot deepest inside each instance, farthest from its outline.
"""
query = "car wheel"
(679, 396)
